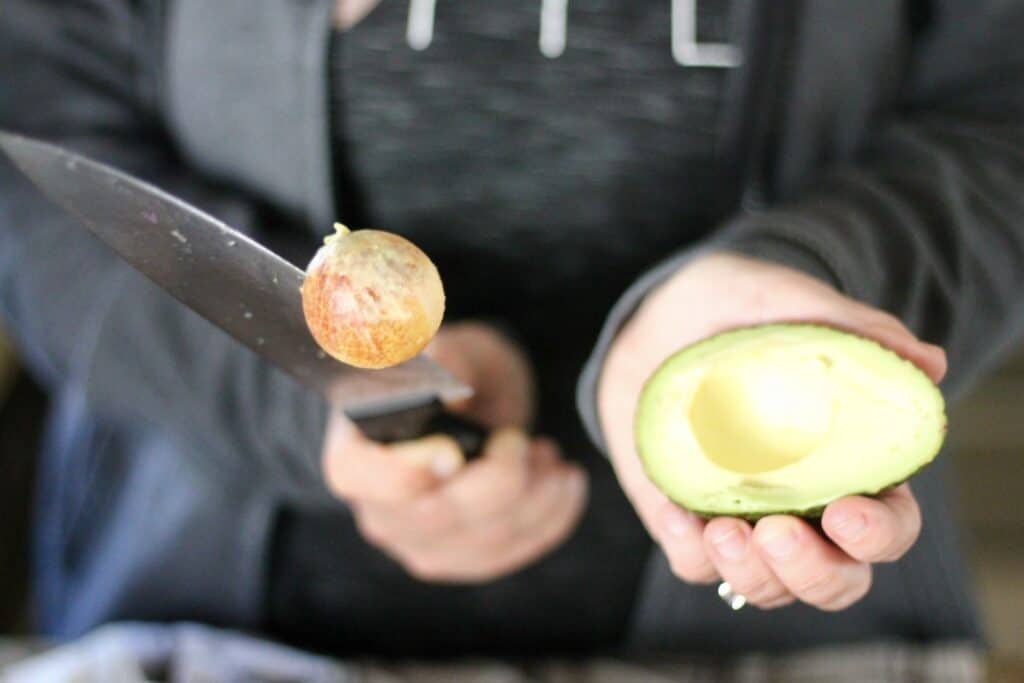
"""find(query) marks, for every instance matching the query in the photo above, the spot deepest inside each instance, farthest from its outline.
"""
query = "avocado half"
(785, 418)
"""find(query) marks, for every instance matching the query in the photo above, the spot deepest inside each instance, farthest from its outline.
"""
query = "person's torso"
(225, 105)
(530, 178)
(541, 186)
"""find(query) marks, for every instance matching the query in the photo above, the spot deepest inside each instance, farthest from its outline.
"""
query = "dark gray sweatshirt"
(877, 145)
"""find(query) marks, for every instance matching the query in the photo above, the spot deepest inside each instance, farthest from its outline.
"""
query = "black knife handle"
(422, 420)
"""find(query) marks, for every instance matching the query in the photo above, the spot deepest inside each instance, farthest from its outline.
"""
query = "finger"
(681, 536)
(727, 542)
(546, 453)
(449, 508)
(357, 469)
(891, 333)
(495, 534)
(547, 487)
(496, 368)
(563, 512)
(438, 453)
(485, 488)
(485, 543)
(445, 351)
(932, 359)
(875, 530)
(493, 550)
(375, 525)
(495, 481)
(419, 522)
(813, 570)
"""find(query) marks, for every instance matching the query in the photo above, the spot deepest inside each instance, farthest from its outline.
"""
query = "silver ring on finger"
(731, 597)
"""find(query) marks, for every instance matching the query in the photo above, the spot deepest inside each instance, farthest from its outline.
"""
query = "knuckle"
(762, 589)
(505, 491)
(699, 571)
(819, 588)
(425, 568)
(835, 605)
(845, 598)
(496, 537)
(372, 531)
(335, 478)
(894, 539)
(434, 516)
(407, 482)
(779, 601)
(895, 548)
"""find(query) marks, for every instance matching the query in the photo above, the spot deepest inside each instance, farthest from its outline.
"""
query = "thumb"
(931, 359)
(357, 469)
(445, 350)
(496, 368)
(437, 452)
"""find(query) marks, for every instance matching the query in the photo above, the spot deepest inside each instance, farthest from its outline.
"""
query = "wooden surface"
(987, 435)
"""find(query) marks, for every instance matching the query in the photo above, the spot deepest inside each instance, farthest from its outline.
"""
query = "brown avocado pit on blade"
(372, 299)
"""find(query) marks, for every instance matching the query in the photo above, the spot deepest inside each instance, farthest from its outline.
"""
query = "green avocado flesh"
(784, 419)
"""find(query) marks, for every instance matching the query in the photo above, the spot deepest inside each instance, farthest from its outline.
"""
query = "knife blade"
(231, 280)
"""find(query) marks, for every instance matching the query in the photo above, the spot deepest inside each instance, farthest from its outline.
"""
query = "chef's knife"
(243, 288)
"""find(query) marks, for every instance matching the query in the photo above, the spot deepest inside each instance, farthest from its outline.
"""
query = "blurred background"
(986, 435)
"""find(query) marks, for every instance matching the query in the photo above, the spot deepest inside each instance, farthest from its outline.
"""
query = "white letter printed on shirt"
(553, 20)
(552, 27)
(420, 30)
(685, 48)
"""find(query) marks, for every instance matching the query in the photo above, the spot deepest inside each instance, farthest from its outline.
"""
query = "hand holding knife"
(414, 499)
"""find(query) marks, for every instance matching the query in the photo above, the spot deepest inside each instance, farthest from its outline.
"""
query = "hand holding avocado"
(780, 558)
(447, 521)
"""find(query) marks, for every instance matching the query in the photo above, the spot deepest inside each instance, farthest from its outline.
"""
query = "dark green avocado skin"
(814, 513)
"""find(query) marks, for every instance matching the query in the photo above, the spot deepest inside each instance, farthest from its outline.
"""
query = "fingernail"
(730, 544)
(781, 544)
(850, 526)
(445, 464)
(675, 521)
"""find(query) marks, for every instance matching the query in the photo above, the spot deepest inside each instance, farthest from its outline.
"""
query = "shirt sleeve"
(75, 74)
